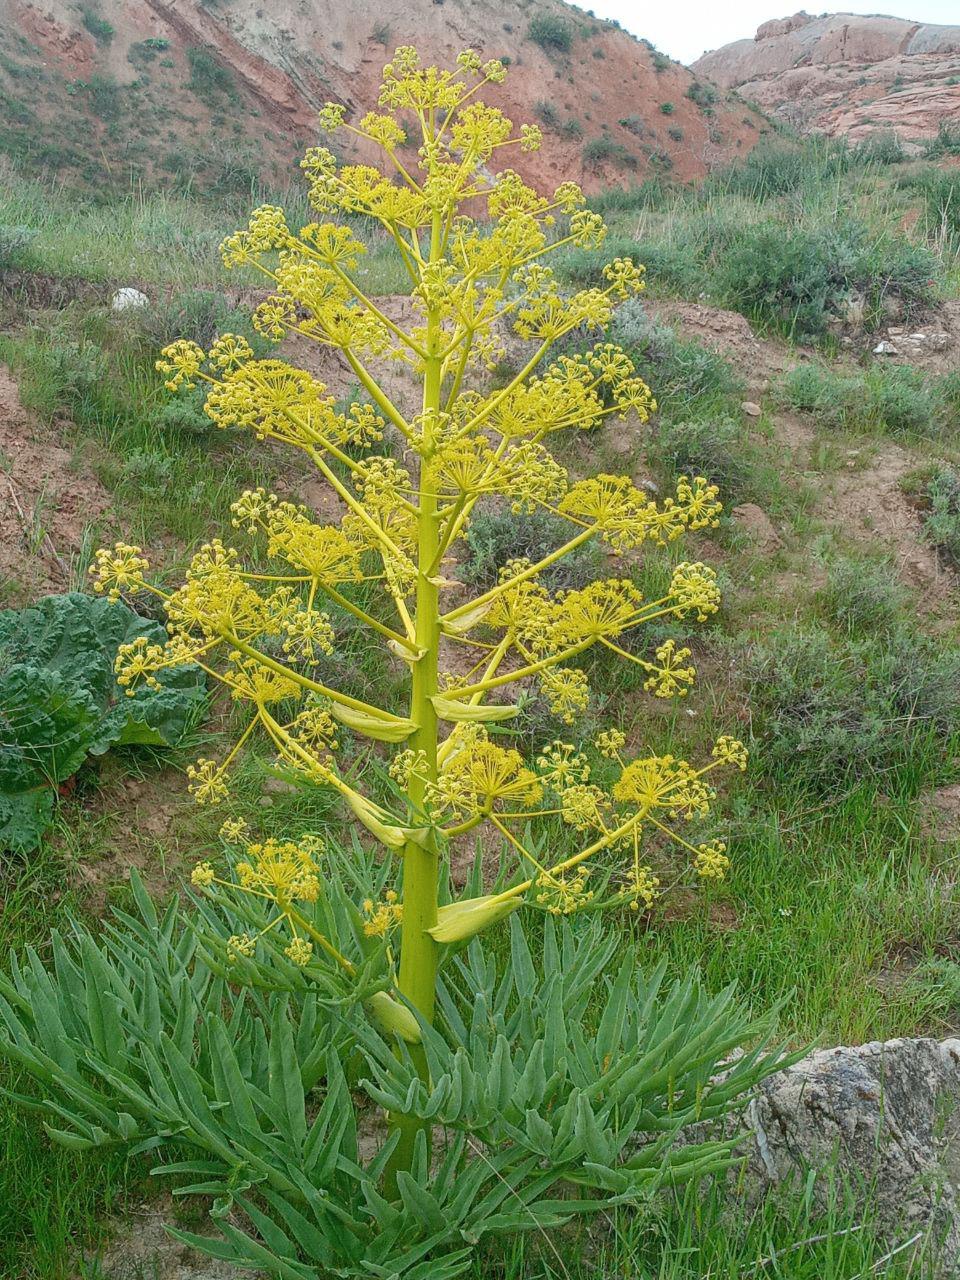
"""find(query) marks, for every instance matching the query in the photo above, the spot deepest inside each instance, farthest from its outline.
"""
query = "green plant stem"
(418, 951)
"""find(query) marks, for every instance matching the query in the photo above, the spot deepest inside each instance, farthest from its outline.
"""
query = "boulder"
(888, 1113)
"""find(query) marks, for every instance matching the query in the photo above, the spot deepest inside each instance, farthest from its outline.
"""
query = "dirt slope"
(214, 94)
(845, 74)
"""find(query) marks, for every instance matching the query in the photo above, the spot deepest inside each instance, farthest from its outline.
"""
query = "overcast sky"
(686, 28)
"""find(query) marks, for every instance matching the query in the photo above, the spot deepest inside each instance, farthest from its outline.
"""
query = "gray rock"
(889, 1112)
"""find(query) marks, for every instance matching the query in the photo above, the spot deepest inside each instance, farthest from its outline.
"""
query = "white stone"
(128, 299)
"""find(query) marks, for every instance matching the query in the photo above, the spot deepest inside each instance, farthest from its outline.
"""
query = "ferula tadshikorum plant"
(539, 1074)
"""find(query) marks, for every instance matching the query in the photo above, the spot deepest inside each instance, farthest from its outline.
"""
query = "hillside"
(216, 95)
(847, 75)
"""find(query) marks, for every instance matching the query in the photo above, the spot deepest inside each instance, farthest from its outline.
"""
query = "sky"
(686, 28)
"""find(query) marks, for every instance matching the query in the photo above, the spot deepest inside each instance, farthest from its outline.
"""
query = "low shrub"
(691, 381)
(941, 521)
(209, 79)
(671, 269)
(494, 537)
(13, 240)
(881, 148)
(667, 108)
(704, 95)
(897, 399)
(861, 596)
(720, 449)
(101, 30)
(796, 280)
(942, 199)
(946, 143)
(550, 33)
(828, 713)
(604, 150)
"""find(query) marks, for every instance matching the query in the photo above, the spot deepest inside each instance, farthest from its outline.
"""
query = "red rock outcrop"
(612, 110)
(845, 74)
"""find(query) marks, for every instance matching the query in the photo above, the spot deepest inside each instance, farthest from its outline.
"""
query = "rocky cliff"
(217, 92)
(843, 74)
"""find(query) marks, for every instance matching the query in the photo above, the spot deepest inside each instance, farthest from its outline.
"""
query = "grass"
(812, 1231)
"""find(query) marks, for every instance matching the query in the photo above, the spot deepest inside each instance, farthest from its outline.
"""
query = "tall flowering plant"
(541, 1071)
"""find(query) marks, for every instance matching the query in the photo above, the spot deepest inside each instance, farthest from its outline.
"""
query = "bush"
(704, 95)
(897, 399)
(101, 30)
(691, 381)
(547, 114)
(550, 33)
(634, 124)
(775, 169)
(943, 207)
(209, 79)
(942, 520)
(496, 537)
(200, 315)
(946, 143)
(797, 280)
(720, 449)
(828, 714)
(884, 147)
(862, 596)
(13, 240)
(604, 150)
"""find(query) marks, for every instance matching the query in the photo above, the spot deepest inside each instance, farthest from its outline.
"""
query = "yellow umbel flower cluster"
(476, 243)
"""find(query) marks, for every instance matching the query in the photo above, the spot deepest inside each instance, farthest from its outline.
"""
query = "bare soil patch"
(48, 497)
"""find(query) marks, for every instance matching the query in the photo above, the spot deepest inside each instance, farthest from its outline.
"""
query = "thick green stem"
(418, 951)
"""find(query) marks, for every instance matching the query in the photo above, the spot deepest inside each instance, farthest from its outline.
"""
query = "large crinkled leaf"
(24, 817)
(60, 702)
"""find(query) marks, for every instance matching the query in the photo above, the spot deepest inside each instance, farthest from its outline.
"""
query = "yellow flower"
(671, 678)
(566, 690)
(233, 830)
(300, 951)
(241, 944)
(610, 742)
(138, 661)
(381, 918)
(730, 751)
(641, 887)
(330, 116)
(693, 589)
(119, 569)
(711, 861)
(663, 783)
(207, 782)
(482, 775)
(561, 765)
(203, 875)
(564, 893)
